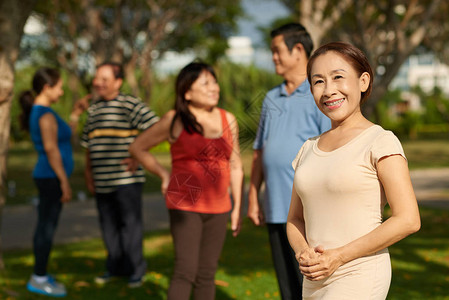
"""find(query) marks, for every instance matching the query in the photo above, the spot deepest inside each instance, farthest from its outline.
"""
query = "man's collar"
(304, 87)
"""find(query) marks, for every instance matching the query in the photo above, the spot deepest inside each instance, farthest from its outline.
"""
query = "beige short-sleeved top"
(343, 200)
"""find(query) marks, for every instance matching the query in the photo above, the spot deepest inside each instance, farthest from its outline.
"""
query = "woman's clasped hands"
(317, 264)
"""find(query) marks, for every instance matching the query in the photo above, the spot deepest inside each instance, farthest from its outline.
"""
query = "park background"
(404, 40)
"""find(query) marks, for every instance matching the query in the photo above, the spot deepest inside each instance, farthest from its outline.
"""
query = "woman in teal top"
(51, 138)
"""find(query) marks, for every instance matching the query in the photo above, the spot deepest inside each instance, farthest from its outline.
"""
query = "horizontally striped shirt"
(111, 126)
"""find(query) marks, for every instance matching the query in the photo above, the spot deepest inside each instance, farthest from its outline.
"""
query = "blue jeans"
(49, 209)
(120, 215)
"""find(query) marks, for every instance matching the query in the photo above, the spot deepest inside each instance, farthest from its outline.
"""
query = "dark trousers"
(48, 211)
(287, 268)
(198, 240)
(120, 215)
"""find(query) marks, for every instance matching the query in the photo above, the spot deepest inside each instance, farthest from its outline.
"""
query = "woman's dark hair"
(352, 55)
(42, 77)
(186, 77)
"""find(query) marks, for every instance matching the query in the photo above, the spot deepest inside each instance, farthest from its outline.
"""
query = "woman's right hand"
(307, 254)
(317, 263)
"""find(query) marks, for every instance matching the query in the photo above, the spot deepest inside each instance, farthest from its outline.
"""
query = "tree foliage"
(388, 31)
(135, 32)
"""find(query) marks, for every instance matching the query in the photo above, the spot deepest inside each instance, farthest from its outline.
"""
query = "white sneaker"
(135, 283)
(49, 288)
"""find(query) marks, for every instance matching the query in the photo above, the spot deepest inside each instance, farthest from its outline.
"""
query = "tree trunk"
(74, 86)
(146, 82)
(130, 74)
(13, 15)
(380, 87)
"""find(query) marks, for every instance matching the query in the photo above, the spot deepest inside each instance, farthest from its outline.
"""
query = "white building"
(240, 50)
(424, 70)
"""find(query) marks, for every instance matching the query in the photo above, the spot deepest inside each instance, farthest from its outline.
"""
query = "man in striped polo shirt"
(113, 122)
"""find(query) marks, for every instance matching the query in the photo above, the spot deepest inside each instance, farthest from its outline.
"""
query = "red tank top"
(200, 177)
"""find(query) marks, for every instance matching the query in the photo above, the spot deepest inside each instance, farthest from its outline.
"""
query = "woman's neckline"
(353, 140)
(184, 131)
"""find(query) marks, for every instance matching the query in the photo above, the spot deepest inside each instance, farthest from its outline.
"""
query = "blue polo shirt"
(286, 122)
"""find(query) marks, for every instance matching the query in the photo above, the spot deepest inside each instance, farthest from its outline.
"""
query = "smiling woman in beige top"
(343, 179)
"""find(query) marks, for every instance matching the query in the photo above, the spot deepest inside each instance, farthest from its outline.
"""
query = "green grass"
(427, 153)
(420, 266)
(420, 262)
(22, 157)
(245, 269)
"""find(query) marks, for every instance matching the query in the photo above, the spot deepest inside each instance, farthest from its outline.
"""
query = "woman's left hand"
(165, 178)
(322, 266)
(66, 192)
(236, 222)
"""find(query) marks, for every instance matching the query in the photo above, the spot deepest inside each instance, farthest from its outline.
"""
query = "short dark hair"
(293, 34)
(353, 55)
(117, 69)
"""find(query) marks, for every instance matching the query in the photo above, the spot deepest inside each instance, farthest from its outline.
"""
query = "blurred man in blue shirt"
(289, 117)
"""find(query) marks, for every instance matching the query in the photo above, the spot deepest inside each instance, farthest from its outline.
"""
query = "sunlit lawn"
(245, 269)
(420, 266)
(421, 262)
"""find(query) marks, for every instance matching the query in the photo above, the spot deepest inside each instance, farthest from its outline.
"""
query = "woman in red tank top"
(206, 169)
